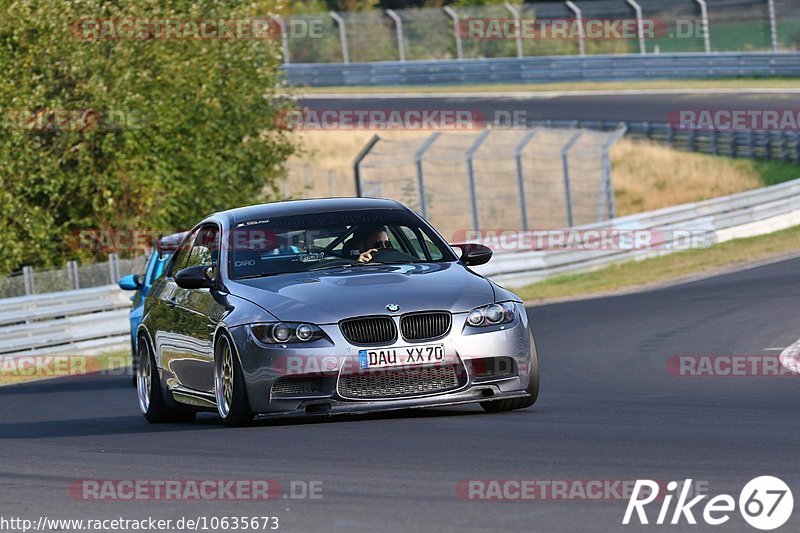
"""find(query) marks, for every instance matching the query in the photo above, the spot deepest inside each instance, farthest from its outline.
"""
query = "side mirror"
(474, 254)
(196, 277)
(130, 282)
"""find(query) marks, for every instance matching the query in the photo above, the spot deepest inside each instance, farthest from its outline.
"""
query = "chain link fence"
(32, 281)
(459, 181)
(539, 29)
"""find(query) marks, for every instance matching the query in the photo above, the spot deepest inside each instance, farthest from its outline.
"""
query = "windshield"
(331, 240)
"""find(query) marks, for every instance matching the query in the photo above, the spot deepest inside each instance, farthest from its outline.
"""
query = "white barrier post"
(515, 13)
(398, 25)
(284, 38)
(581, 35)
(773, 26)
(640, 25)
(342, 36)
(565, 164)
(704, 25)
(456, 30)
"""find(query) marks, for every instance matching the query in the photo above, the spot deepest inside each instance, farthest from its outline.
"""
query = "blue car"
(141, 283)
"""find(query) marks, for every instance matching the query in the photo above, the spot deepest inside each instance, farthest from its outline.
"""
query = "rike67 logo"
(765, 503)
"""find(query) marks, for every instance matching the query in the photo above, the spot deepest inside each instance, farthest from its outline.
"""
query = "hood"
(328, 296)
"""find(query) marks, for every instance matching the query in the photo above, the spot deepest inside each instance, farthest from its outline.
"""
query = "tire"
(496, 406)
(149, 392)
(229, 386)
(134, 357)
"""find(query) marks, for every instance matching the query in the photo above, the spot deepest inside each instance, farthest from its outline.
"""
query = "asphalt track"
(653, 106)
(608, 410)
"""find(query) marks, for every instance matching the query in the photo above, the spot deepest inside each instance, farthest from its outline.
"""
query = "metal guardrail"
(64, 321)
(738, 215)
(546, 69)
(754, 144)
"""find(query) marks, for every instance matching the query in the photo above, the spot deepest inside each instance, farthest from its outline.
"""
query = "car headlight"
(286, 332)
(491, 315)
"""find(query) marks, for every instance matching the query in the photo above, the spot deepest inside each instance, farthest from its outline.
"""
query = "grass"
(35, 368)
(665, 268)
(721, 83)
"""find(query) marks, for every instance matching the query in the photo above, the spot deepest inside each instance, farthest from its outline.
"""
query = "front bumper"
(332, 358)
(330, 407)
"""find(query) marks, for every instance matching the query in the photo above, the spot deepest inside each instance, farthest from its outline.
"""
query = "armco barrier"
(546, 69)
(739, 215)
(64, 321)
(97, 318)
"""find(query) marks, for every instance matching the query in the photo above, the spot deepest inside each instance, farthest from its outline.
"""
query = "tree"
(132, 133)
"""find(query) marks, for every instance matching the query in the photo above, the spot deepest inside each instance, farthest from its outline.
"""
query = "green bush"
(192, 128)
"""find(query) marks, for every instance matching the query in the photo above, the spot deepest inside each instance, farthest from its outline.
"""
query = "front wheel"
(229, 386)
(149, 392)
(495, 406)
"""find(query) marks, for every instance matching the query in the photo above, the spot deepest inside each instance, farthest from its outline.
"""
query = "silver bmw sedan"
(324, 307)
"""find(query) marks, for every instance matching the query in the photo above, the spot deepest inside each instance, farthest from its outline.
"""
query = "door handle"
(171, 303)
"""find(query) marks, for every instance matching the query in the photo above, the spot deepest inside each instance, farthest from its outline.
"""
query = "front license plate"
(401, 356)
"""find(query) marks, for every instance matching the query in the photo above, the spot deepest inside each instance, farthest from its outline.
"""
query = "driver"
(371, 240)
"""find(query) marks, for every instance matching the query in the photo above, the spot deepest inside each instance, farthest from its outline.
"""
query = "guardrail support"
(565, 165)
(773, 26)
(515, 13)
(342, 36)
(418, 155)
(284, 38)
(27, 279)
(704, 25)
(398, 26)
(607, 185)
(639, 25)
(357, 163)
(520, 177)
(471, 174)
(113, 268)
(581, 34)
(72, 271)
(456, 30)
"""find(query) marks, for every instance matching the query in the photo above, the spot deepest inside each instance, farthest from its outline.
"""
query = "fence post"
(456, 30)
(113, 268)
(607, 185)
(773, 26)
(284, 38)
(398, 25)
(565, 165)
(418, 155)
(515, 13)
(581, 35)
(332, 183)
(27, 278)
(72, 271)
(520, 177)
(342, 36)
(471, 174)
(640, 25)
(704, 25)
(357, 163)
